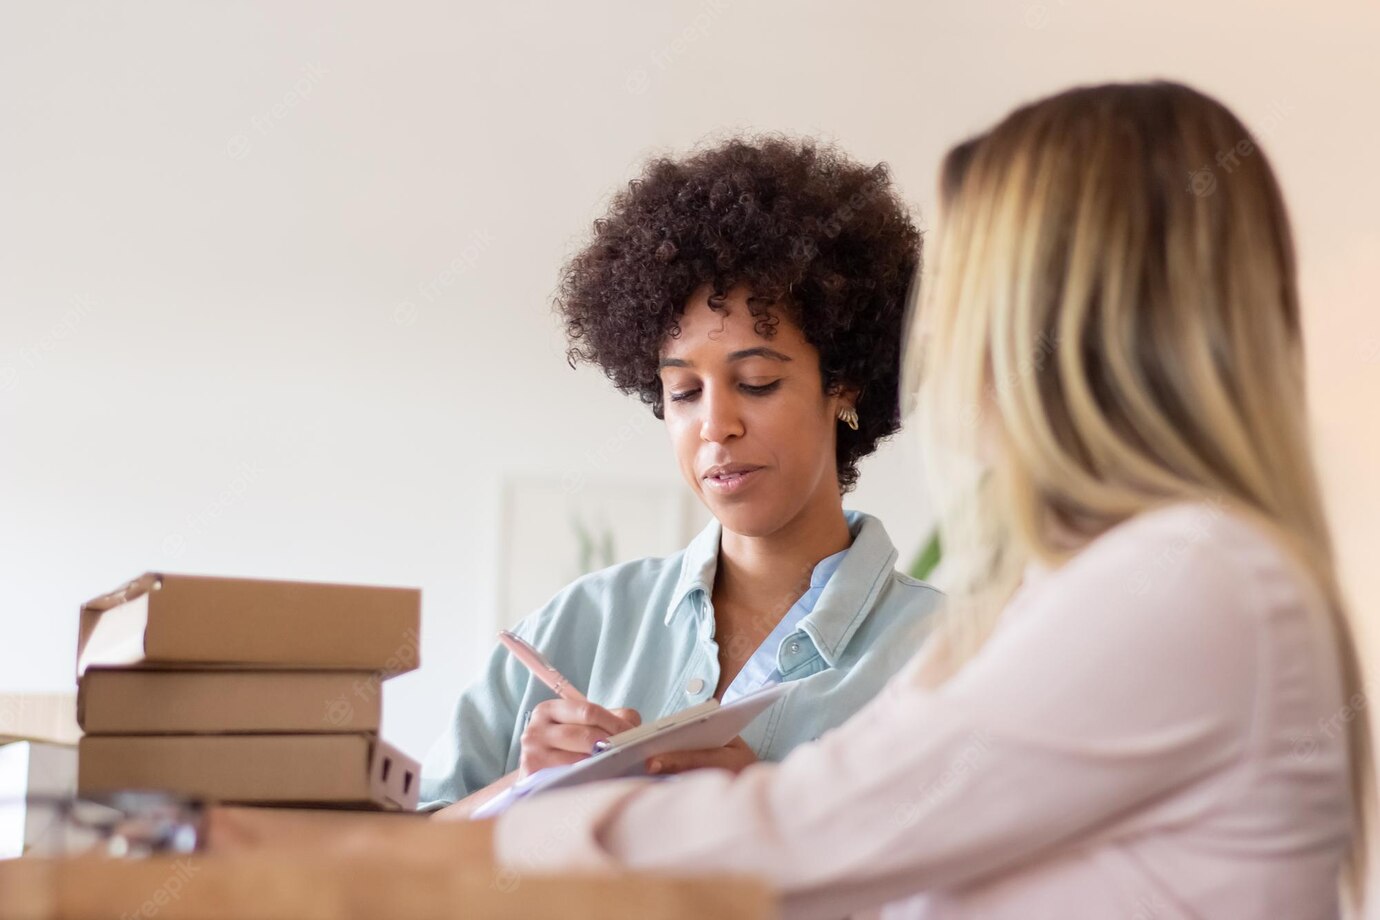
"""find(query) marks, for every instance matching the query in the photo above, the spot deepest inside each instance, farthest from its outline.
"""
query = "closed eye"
(759, 389)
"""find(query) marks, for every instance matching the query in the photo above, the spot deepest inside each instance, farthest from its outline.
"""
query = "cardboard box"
(357, 771)
(166, 620)
(30, 772)
(139, 702)
(39, 717)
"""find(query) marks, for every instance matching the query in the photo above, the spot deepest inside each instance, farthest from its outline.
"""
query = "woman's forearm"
(462, 809)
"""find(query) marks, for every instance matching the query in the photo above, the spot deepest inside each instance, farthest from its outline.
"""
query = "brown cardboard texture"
(121, 701)
(341, 770)
(162, 620)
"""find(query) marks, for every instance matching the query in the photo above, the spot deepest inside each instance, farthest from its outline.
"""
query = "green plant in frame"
(927, 560)
(595, 548)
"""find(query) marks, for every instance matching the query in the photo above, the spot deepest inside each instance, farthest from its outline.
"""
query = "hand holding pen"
(564, 730)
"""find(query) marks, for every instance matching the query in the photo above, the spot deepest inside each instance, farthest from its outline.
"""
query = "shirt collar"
(853, 590)
(825, 569)
(698, 565)
(853, 586)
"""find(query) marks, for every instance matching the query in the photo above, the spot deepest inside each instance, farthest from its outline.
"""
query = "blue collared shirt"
(642, 635)
(761, 669)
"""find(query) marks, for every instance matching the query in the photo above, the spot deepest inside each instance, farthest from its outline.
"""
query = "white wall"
(274, 278)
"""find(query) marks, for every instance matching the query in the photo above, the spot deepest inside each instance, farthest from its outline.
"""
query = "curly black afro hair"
(804, 229)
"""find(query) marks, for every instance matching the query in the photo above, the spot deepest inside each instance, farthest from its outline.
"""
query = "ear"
(844, 397)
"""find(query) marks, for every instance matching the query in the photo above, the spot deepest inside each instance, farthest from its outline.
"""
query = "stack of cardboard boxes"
(245, 691)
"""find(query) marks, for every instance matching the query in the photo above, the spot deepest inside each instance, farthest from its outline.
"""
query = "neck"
(770, 572)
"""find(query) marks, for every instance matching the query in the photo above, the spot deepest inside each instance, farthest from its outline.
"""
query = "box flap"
(149, 581)
(121, 633)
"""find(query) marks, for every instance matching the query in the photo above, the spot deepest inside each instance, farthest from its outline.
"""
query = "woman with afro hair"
(753, 296)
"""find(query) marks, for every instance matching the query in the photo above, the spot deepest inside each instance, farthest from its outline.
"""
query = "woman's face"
(752, 428)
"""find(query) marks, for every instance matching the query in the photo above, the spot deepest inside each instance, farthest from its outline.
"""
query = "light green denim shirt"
(641, 635)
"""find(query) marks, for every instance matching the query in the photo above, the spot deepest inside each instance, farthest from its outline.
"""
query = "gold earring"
(849, 416)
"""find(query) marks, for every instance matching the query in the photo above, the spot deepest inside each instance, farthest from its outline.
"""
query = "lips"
(729, 478)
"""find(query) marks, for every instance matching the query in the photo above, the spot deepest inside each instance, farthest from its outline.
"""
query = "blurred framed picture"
(553, 531)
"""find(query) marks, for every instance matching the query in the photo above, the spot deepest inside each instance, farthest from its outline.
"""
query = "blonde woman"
(1144, 701)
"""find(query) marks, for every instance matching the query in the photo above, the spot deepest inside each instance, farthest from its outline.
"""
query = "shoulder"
(872, 541)
(892, 608)
(645, 573)
(1187, 546)
(630, 589)
(914, 588)
(1186, 581)
(903, 599)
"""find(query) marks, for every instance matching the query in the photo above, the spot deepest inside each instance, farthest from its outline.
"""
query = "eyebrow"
(760, 351)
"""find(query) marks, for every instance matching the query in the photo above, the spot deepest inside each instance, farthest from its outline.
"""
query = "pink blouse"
(1155, 730)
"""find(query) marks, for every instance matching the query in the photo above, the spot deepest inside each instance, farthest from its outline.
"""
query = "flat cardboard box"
(354, 771)
(167, 620)
(34, 775)
(39, 717)
(119, 701)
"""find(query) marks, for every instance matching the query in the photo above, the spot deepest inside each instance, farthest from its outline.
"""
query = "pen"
(543, 670)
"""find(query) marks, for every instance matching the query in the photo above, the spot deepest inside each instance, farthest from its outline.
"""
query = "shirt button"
(794, 648)
(695, 686)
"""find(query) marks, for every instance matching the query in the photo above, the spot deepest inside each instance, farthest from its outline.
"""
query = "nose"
(721, 420)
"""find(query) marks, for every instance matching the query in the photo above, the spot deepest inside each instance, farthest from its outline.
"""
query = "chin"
(750, 519)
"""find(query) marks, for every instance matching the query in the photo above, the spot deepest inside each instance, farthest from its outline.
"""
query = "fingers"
(572, 712)
(563, 732)
(681, 761)
(735, 756)
(578, 739)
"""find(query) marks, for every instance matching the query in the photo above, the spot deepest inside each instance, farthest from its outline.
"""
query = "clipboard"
(711, 728)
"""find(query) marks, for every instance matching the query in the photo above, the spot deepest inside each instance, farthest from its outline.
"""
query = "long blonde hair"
(1114, 303)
